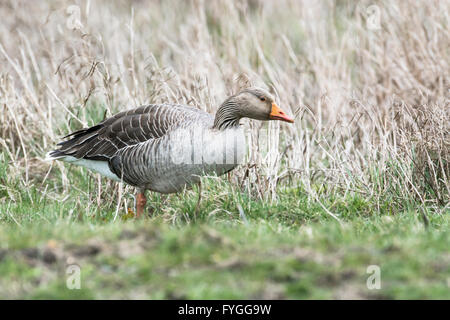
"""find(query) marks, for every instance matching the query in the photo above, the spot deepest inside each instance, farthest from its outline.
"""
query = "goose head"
(253, 103)
(257, 103)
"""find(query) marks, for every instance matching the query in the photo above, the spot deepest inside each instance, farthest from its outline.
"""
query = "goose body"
(167, 147)
(162, 148)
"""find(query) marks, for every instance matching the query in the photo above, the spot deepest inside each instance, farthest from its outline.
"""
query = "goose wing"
(102, 141)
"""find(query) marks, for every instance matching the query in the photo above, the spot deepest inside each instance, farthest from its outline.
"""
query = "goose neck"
(227, 116)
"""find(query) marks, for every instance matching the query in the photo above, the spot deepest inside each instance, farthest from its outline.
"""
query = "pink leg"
(141, 201)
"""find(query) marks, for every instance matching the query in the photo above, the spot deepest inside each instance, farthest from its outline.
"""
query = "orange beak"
(278, 114)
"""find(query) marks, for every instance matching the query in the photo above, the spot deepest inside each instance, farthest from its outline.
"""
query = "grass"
(213, 259)
(288, 249)
(360, 179)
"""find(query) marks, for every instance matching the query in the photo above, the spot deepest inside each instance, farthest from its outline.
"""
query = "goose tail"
(54, 155)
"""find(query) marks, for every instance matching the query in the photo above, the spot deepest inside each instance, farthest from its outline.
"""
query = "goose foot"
(141, 201)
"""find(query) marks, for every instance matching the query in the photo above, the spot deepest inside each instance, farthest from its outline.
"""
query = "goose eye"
(262, 99)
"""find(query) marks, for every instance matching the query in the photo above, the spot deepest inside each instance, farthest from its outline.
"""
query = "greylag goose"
(167, 147)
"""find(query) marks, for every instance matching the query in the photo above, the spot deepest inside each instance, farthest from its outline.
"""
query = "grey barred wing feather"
(128, 128)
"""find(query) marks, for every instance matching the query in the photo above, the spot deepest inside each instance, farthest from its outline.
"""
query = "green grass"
(290, 248)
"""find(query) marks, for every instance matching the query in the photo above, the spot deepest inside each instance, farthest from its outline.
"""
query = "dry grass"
(372, 105)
